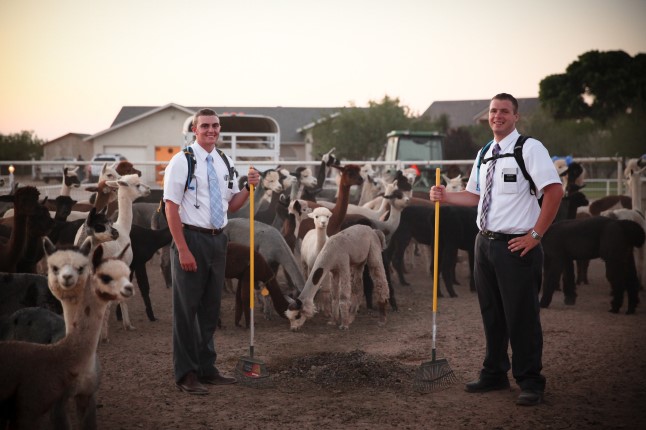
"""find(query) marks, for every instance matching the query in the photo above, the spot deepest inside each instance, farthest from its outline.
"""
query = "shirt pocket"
(509, 180)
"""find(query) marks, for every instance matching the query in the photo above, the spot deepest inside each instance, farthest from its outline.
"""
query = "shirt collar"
(507, 144)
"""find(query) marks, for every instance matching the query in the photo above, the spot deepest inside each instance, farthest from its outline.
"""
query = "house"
(462, 113)
(71, 145)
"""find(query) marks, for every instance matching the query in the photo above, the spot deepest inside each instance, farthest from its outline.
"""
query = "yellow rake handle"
(436, 242)
(251, 247)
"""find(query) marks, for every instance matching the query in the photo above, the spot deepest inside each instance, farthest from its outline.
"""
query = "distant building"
(70, 145)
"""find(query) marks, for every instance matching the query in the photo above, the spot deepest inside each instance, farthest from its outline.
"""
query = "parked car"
(99, 160)
(55, 171)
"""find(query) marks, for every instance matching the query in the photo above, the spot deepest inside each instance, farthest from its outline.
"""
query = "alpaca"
(38, 379)
(588, 238)
(640, 252)
(145, 243)
(458, 230)
(349, 176)
(21, 290)
(311, 247)
(271, 245)
(130, 189)
(70, 180)
(269, 180)
(632, 174)
(33, 324)
(237, 267)
(344, 256)
(25, 202)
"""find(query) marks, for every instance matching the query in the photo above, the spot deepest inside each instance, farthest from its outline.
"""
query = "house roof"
(290, 119)
(467, 112)
(78, 135)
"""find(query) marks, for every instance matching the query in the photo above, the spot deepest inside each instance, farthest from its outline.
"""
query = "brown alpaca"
(38, 379)
(238, 268)
(25, 202)
(350, 175)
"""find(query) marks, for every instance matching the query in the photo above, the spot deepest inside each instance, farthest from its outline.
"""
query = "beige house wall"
(67, 146)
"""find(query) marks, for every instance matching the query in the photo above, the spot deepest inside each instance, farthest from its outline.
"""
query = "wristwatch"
(536, 235)
(246, 185)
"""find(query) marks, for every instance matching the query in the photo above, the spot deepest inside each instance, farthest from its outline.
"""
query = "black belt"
(211, 231)
(492, 235)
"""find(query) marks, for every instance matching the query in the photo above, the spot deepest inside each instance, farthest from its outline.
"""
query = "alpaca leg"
(164, 265)
(376, 268)
(144, 288)
(126, 317)
(615, 276)
(104, 328)
(553, 266)
(391, 290)
(345, 297)
(238, 308)
(632, 285)
(86, 408)
(59, 418)
(569, 286)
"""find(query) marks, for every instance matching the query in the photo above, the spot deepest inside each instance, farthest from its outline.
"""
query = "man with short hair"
(196, 215)
(508, 254)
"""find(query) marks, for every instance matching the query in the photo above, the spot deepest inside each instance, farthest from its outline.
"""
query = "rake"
(435, 375)
(250, 370)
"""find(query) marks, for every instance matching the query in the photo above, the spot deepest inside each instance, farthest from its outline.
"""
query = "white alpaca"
(38, 379)
(633, 175)
(344, 256)
(311, 247)
(130, 189)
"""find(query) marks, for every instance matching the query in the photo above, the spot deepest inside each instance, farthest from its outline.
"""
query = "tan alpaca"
(38, 379)
(344, 256)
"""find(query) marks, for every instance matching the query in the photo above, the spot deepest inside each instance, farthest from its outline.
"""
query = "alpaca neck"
(65, 189)
(636, 191)
(368, 191)
(84, 329)
(124, 219)
(17, 241)
(340, 209)
(321, 237)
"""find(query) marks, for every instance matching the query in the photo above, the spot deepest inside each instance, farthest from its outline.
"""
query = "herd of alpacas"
(64, 262)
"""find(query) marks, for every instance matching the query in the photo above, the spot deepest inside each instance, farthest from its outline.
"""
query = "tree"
(21, 146)
(599, 86)
(360, 133)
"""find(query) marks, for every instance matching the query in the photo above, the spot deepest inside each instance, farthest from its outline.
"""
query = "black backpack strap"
(518, 155)
(483, 151)
(232, 171)
(192, 164)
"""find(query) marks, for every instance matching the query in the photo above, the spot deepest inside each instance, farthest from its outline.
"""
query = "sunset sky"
(70, 65)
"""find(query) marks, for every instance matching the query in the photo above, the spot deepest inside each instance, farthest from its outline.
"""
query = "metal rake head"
(434, 376)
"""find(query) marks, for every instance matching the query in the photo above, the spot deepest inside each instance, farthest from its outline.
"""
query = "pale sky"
(70, 65)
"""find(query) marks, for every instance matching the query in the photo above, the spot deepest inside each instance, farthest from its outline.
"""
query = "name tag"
(509, 180)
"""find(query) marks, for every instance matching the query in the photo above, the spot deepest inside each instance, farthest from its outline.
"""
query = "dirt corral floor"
(321, 377)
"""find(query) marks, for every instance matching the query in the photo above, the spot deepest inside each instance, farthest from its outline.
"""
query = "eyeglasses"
(208, 126)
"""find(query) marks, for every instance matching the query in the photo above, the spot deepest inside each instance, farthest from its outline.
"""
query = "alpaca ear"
(48, 246)
(97, 257)
(86, 247)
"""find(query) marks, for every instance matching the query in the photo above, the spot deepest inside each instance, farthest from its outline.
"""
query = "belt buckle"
(488, 234)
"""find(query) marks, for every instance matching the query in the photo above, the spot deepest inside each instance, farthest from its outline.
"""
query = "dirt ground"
(321, 377)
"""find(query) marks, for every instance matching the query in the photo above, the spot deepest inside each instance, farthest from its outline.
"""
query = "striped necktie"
(486, 201)
(215, 197)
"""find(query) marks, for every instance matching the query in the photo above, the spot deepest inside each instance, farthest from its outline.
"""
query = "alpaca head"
(398, 199)
(111, 276)
(368, 173)
(306, 178)
(299, 209)
(286, 178)
(350, 175)
(68, 268)
(131, 186)
(321, 217)
(71, 177)
(271, 181)
(298, 312)
(99, 226)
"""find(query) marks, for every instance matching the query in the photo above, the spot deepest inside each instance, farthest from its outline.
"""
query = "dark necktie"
(486, 200)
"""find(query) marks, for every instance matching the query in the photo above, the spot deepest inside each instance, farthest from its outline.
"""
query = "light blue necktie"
(215, 197)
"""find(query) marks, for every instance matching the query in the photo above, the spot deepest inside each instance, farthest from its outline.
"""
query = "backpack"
(192, 164)
(518, 156)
